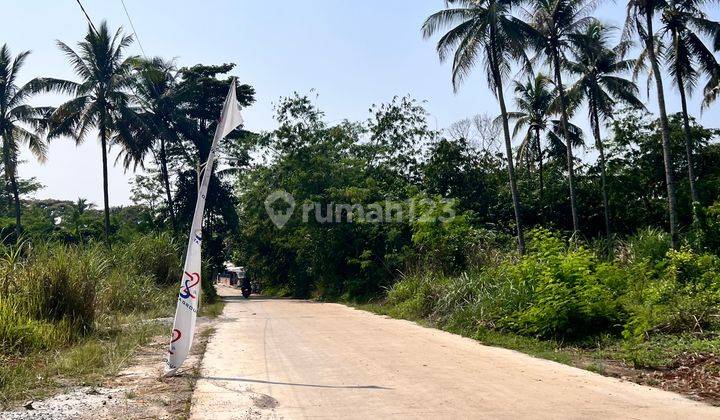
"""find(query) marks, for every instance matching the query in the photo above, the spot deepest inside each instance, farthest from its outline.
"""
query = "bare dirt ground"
(137, 392)
(274, 358)
(695, 375)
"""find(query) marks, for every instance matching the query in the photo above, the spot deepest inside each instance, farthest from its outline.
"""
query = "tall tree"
(201, 90)
(484, 30)
(102, 98)
(639, 20)
(162, 117)
(600, 83)
(533, 100)
(553, 21)
(688, 57)
(19, 123)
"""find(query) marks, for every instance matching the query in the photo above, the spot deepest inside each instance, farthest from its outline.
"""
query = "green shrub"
(60, 284)
(155, 255)
(442, 242)
(21, 334)
(681, 294)
(650, 245)
(554, 290)
(415, 296)
(573, 294)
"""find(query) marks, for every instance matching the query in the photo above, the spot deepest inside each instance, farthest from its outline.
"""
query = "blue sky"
(352, 53)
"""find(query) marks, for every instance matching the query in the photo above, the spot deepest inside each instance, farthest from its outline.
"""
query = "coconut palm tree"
(533, 100)
(599, 68)
(553, 21)
(483, 30)
(688, 57)
(157, 96)
(19, 123)
(639, 21)
(102, 98)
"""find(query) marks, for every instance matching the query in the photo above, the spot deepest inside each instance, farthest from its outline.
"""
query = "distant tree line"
(157, 116)
(564, 37)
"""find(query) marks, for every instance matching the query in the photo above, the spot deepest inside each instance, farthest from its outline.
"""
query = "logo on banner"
(176, 334)
(191, 280)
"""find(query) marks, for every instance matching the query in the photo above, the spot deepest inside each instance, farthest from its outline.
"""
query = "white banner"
(189, 296)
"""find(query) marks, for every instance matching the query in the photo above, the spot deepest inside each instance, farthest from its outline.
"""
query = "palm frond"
(35, 143)
(444, 18)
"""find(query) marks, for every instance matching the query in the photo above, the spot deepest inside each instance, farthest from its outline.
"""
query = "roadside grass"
(73, 315)
(91, 359)
(85, 362)
(211, 310)
(660, 351)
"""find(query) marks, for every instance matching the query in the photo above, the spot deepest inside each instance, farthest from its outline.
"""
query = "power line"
(133, 28)
(92, 25)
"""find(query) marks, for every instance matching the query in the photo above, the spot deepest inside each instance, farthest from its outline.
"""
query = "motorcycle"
(246, 287)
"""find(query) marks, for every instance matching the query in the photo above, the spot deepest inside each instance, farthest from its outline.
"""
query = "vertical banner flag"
(189, 296)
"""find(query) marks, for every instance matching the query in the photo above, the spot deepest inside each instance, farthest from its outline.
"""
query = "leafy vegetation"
(568, 294)
(64, 307)
(428, 224)
(566, 290)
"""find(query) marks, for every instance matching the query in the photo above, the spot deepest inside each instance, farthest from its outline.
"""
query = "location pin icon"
(280, 217)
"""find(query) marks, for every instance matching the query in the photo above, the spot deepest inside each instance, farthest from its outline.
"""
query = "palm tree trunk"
(688, 144)
(568, 141)
(527, 166)
(686, 129)
(166, 182)
(508, 145)
(106, 199)
(16, 198)
(511, 171)
(540, 162)
(667, 158)
(603, 177)
(11, 183)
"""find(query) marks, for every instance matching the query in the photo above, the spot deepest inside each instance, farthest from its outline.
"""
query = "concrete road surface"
(273, 358)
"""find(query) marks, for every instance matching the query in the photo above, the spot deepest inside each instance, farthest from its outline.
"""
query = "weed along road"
(276, 358)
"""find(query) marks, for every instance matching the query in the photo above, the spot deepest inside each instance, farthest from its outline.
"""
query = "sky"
(347, 54)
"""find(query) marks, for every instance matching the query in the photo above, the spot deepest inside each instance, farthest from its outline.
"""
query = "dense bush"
(441, 242)
(157, 255)
(21, 333)
(55, 292)
(680, 293)
(564, 289)
(395, 157)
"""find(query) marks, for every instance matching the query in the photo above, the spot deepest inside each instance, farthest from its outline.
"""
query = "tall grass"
(568, 290)
(58, 292)
(157, 256)
(20, 333)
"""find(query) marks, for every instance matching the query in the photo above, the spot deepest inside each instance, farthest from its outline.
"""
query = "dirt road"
(272, 358)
